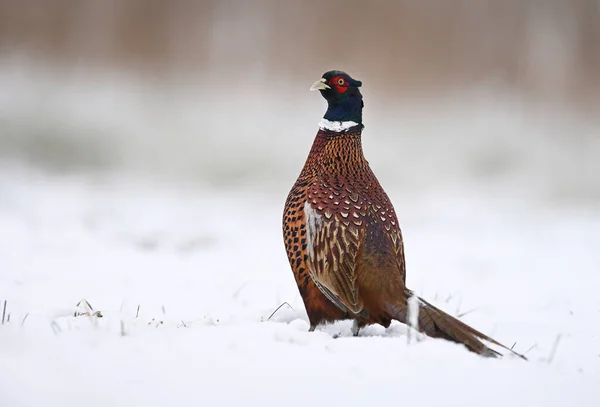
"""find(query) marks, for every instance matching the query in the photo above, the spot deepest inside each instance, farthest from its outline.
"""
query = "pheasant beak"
(320, 85)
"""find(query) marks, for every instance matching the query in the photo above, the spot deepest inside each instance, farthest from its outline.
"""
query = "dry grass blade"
(24, 319)
(83, 308)
(530, 348)
(4, 312)
(55, 328)
(277, 309)
(462, 314)
(554, 349)
(458, 306)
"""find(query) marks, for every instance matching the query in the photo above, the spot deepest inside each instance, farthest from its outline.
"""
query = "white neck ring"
(339, 126)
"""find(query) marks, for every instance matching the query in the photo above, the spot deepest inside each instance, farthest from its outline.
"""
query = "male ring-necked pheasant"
(342, 235)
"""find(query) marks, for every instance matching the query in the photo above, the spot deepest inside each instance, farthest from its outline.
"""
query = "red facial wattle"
(339, 83)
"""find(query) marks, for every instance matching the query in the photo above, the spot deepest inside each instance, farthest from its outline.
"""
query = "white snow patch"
(413, 315)
(186, 279)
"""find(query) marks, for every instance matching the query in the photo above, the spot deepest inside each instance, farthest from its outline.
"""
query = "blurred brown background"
(549, 48)
(205, 87)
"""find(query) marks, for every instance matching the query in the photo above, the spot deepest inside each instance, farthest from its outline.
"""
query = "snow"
(186, 278)
(163, 213)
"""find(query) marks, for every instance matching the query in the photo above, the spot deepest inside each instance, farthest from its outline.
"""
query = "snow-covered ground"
(186, 279)
(162, 209)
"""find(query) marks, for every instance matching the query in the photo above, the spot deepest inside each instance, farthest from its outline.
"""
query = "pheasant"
(342, 236)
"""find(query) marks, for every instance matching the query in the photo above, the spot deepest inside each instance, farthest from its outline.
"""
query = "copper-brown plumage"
(342, 236)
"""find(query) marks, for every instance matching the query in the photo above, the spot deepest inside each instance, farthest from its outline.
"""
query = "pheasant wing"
(333, 244)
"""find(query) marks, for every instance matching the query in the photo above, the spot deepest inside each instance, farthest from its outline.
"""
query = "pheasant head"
(343, 97)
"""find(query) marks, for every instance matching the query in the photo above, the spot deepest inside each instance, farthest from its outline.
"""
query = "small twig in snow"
(277, 309)
(24, 318)
(137, 314)
(123, 328)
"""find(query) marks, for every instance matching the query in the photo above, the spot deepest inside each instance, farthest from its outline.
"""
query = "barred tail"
(436, 323)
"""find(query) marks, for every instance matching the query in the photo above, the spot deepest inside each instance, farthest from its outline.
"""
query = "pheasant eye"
(340, 81)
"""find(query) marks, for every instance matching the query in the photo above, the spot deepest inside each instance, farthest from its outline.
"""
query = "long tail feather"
(436, 323)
